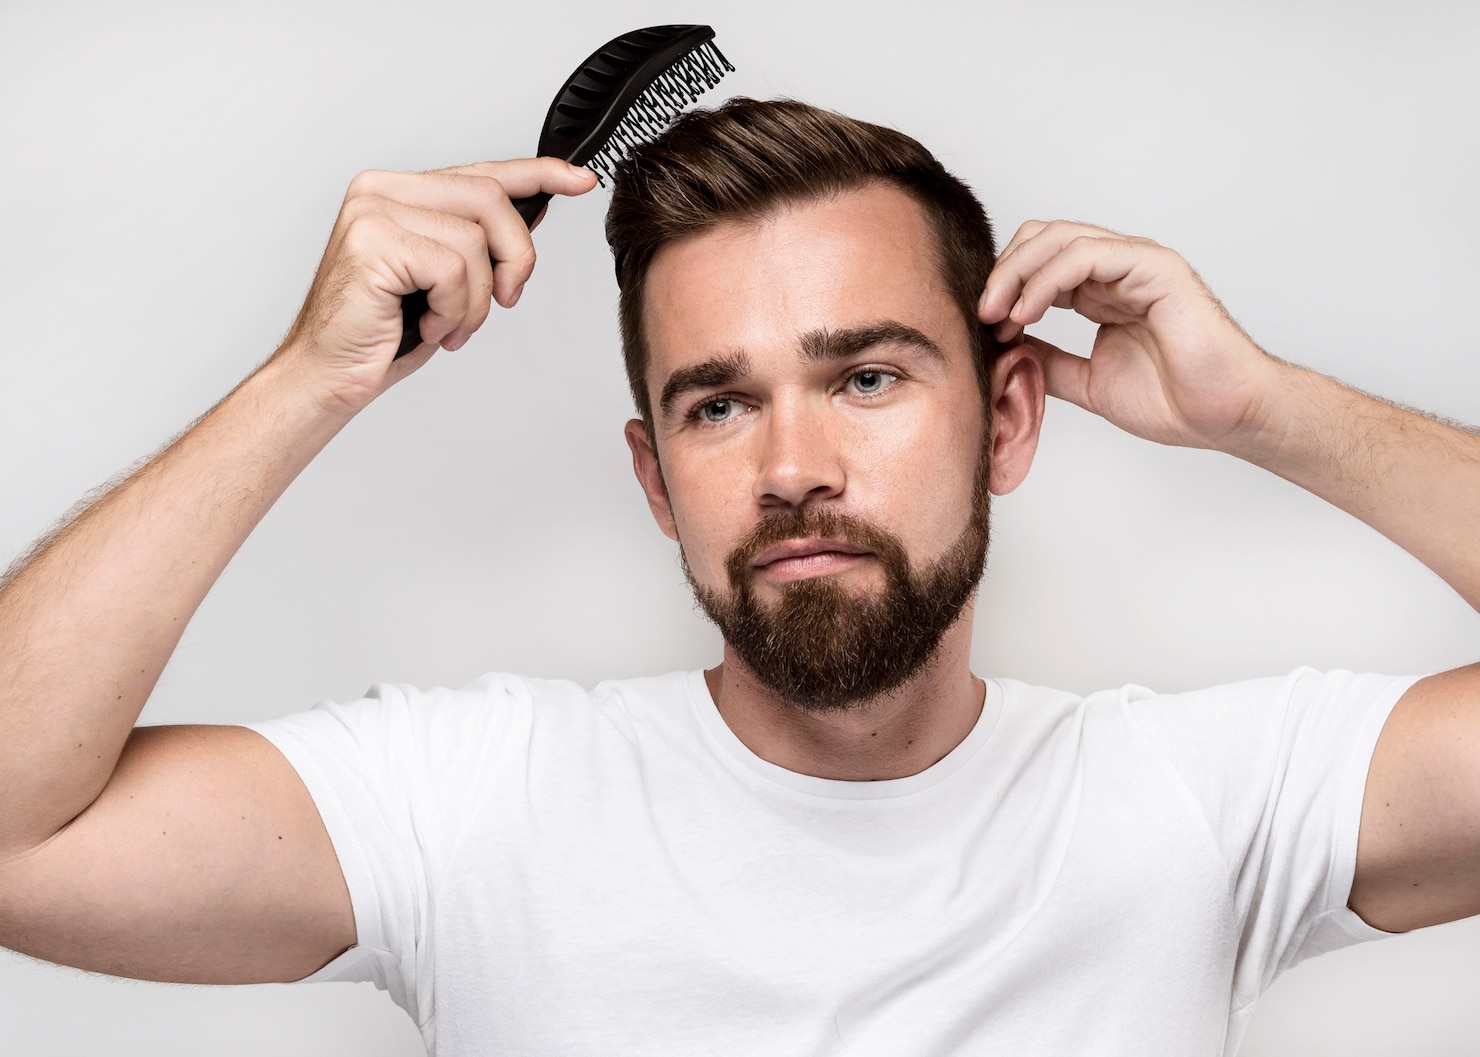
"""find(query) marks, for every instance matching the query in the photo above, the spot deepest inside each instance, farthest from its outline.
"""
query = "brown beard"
(824, 649)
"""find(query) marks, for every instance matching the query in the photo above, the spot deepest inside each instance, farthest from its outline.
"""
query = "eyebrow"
(711, 374)
(824, 344)
(816, 346)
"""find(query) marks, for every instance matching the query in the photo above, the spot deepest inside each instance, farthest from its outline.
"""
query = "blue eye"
(871, 381)
(716, 410)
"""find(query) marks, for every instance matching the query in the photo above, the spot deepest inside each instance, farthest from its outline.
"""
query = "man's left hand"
(1168, 364)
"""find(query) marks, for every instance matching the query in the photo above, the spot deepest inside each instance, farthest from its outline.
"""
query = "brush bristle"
(659, 104)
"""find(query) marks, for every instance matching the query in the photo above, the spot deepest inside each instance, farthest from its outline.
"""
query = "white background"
(170, 172)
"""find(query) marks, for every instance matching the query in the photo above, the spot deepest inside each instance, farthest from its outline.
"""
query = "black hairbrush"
(629, 90)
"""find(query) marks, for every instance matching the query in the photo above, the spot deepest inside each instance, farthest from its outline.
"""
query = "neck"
(892, 736)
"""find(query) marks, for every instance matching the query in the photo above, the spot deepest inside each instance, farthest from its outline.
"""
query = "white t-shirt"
(540, 869)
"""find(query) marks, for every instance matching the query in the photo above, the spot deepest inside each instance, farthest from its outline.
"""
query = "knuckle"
(1168, 257)
(471, 239)
(366, 182)
(518, 262)
(366, 227)
(492, 189)
(479, 309)
(361, 205)
(455, 266)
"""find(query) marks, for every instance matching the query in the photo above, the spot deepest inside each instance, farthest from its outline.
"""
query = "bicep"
(1418, 852)
(204, 860)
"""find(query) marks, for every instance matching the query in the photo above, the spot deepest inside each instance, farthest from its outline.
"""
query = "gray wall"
(169, 175)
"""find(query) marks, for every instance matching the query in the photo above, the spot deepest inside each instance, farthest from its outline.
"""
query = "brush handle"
(414, 305)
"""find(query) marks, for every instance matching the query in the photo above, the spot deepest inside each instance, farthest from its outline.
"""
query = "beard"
(824, 648)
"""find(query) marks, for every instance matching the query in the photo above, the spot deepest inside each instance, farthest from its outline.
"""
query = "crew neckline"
(728, 744)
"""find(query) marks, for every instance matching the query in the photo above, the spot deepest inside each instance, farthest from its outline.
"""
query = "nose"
(799, 462)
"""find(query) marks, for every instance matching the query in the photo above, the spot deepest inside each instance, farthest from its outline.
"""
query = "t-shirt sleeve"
(396, 777)
(1279, 768)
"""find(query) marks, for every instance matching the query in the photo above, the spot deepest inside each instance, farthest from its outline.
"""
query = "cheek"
(927, 472)
(708, 517)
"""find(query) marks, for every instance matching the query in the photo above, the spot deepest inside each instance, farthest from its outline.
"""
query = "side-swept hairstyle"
(748, 158)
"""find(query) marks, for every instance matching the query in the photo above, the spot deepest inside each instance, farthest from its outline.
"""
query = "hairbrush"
(627, 91)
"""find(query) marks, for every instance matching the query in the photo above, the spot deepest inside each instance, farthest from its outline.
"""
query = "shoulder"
(1302, 706)
(493, 697)
(493, 721)
(1250, 701)
(1250, 727)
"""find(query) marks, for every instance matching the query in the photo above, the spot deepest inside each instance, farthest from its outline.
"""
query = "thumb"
(1065, 375)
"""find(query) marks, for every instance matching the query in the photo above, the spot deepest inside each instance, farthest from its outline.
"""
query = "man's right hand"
(195, 853)
(452, 232)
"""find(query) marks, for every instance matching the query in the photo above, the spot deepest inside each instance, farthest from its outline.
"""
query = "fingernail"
(1016, 308)
(517, 295)
(578, 170)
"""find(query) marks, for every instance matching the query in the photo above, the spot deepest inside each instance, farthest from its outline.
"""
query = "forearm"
(1414, 479)
(89, 621)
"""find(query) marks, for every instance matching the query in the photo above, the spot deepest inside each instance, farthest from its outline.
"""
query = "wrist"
(1278, 408)
(299, 410)
(297, 378)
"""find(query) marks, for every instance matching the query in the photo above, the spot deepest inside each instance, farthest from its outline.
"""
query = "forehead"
(756, 286)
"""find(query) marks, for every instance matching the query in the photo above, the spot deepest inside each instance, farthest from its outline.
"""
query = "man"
(839, 839)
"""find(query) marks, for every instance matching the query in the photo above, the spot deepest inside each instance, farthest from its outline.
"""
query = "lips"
(804, 548)
(807, 543)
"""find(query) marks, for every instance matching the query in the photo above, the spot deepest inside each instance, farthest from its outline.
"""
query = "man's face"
(821, 437)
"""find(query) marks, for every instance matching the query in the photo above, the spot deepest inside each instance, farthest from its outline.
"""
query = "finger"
(1106, 261)
(442, 272)
(456, 233)
(998, 295)
(385, 261)
(478, 198)
(482, 192)
(466, 189)
(522, 177)
(1056, 281)
(470, 241)
(511, 249)
(1057, 233)
(1065, 375)
(1034, 243)
(1027, 230)
(1006, 332)
(510, 244)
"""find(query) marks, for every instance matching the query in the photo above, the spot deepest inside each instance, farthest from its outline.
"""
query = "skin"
(798, 432)
(195, 854)
(1169, 365)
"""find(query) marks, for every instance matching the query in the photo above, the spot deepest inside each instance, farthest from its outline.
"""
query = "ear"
(1017, 415)
(650, 476)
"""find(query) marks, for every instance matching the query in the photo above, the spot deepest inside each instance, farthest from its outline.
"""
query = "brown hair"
(747, 158)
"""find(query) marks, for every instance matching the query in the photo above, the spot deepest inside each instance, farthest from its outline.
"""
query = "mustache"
(804, 522)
